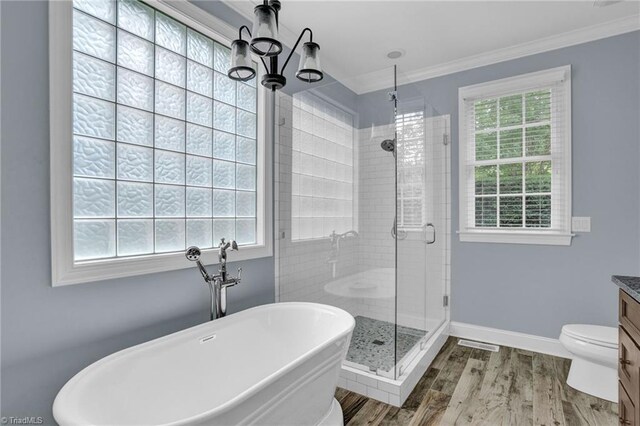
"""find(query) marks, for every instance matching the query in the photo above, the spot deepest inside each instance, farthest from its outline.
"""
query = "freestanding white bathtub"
(275, 364)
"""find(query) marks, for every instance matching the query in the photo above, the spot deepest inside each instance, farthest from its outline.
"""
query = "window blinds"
(411, 169)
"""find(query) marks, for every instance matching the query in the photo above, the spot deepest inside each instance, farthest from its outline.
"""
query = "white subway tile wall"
(164, 142)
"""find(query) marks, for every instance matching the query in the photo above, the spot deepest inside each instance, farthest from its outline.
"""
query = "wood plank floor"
(467, 386)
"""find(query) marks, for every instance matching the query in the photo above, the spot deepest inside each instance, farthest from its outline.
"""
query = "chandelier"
(264, 43)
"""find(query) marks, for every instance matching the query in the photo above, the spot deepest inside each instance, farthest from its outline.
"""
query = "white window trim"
(63, 268)
(497, 88)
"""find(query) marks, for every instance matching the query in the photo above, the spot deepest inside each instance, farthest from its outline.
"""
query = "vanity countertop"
(631, 285)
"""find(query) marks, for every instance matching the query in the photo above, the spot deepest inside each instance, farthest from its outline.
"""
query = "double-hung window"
(515, 159)
(153, 147)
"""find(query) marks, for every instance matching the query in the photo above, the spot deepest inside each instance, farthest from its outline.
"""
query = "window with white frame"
(411, 153)
(515, 159)
(322, 169)
(165, 149)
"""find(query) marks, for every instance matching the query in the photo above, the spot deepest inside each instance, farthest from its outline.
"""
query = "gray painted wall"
(537, 289)
(49, 334)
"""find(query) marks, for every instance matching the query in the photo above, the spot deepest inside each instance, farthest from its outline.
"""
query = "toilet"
(594, 354)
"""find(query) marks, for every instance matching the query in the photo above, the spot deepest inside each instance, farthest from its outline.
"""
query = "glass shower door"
(372, 289)
(421, 203)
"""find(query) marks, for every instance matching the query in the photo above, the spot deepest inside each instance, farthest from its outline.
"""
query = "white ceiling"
(441, 36)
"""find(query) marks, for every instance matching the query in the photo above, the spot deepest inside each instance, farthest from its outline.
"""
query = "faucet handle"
(224, 245)
(231, 281)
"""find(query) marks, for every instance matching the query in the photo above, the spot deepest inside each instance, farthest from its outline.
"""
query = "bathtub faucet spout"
(217, 283)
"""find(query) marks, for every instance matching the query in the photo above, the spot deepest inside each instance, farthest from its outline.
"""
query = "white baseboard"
(513, 339)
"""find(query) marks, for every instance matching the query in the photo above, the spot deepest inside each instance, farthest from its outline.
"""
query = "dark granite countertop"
(631, 285)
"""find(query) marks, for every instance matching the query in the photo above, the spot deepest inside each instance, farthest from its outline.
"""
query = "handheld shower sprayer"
(193, 254)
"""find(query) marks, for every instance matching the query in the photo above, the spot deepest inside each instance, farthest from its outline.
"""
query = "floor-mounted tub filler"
(275, 364)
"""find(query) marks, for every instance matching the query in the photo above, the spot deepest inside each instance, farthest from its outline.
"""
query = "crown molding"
(379, 80)
(376, 80)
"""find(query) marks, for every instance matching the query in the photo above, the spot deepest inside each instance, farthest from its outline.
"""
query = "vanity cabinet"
(626, 409)
(629, 360)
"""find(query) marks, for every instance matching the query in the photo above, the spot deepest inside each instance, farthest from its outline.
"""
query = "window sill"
(516, 237)
(107, 269)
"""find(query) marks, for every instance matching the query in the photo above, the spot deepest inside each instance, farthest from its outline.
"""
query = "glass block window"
(164, 145)
(517, 155)
(322, 168)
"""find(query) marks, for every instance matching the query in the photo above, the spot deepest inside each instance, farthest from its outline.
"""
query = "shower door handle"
(429, 225)
(400, 235)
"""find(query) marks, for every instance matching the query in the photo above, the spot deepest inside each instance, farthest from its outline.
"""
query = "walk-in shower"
(356, 227)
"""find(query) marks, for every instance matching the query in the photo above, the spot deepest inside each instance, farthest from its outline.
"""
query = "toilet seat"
(593, 334)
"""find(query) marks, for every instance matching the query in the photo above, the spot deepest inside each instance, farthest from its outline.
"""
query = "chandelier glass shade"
(264, 40)
(241, 66)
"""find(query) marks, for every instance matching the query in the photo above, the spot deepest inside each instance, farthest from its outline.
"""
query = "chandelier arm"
(295, 46)
(240, 31)
(264, 63)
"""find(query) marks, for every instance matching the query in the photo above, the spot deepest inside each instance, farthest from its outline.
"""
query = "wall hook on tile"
(281, 121)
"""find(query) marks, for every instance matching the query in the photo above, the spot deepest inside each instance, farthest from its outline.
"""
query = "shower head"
(193, 253)
(388, 145)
